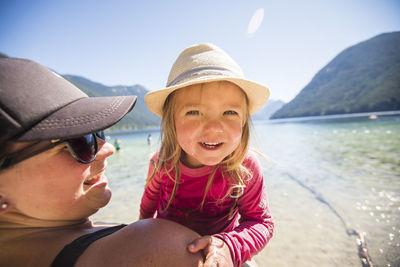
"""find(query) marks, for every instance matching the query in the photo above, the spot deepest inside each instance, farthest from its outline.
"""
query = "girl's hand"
(216, 252)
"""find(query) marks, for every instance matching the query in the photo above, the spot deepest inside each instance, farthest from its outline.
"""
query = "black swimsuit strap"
(71, 252)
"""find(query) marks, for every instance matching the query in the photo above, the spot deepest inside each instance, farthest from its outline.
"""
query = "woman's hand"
(216, 252)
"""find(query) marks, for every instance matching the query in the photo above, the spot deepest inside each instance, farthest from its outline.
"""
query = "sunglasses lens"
(84, 147)
(101, 135)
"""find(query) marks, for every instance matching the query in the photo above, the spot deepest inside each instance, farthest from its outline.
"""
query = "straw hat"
(203, 63)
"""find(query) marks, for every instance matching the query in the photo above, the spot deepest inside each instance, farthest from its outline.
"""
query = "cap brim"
(83, 116)
(256, 93)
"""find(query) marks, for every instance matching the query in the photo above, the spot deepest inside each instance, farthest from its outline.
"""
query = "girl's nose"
(213, 125)
(105, 149)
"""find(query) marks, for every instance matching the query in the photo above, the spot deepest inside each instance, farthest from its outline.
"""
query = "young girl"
(203, 175)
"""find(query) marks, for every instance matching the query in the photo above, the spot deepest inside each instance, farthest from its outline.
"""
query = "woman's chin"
(98, 198)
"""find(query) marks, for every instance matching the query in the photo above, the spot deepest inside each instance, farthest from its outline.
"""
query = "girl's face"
(209, 119)
(54, 186)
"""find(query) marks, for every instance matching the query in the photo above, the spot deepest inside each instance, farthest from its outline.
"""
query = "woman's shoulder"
(149, 242)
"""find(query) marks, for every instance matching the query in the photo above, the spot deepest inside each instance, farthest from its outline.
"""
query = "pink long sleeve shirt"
(250, 227)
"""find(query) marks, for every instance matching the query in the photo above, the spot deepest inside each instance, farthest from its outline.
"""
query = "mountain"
(270, 108)
(363, 78)
(139, 117)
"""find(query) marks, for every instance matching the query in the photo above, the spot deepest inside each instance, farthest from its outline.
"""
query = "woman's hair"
(170, 154)
(6, 149)
(3, 150)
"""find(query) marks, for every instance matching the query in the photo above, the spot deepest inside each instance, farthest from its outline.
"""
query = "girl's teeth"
(210, 145)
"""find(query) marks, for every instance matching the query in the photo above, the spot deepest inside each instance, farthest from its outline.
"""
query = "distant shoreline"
(131, 131)
(329, 117)
(371, 115)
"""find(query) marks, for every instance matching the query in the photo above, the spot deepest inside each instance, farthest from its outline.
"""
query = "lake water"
(325, 178)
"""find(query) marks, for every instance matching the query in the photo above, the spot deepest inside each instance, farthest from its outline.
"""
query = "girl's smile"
(210, 146)
(209, 119)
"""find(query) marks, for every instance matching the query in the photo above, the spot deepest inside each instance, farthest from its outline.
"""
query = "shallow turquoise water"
(323, 177)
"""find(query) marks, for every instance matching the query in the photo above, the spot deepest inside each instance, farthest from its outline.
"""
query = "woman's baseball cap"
(38, 104)
(204, 63)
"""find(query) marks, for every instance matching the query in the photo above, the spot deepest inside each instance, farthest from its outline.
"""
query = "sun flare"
(255, 21)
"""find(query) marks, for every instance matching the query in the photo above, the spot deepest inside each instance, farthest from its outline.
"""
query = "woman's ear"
(4, 205)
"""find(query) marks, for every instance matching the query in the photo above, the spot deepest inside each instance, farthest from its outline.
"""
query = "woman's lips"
(94, 180)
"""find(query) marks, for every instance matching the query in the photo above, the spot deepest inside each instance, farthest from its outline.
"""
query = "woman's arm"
(150, 242)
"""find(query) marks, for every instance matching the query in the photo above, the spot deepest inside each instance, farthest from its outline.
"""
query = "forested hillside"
(139, 117)
(363, 78)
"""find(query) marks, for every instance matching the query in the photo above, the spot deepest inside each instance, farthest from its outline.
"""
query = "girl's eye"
(230, 112)
(193, 112)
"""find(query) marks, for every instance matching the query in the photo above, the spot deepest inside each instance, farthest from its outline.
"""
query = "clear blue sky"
(136, 42)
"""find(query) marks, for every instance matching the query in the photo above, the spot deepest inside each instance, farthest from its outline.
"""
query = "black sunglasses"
(84, 149)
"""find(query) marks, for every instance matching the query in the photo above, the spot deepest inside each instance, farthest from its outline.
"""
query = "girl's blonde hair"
(170, 154)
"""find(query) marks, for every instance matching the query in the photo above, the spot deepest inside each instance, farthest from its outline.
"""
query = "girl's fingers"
(211, 259)
(199, 244)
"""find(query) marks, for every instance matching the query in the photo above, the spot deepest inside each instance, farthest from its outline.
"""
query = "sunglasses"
(84, 149)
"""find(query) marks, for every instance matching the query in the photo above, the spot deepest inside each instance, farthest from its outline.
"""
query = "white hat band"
(201, 72)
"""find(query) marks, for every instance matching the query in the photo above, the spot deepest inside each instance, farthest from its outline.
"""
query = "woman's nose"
(105, 149)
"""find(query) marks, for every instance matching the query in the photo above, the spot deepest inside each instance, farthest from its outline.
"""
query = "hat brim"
(83, 116)
(257, 94)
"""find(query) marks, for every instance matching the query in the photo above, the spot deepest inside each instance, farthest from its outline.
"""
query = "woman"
(52, 163)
